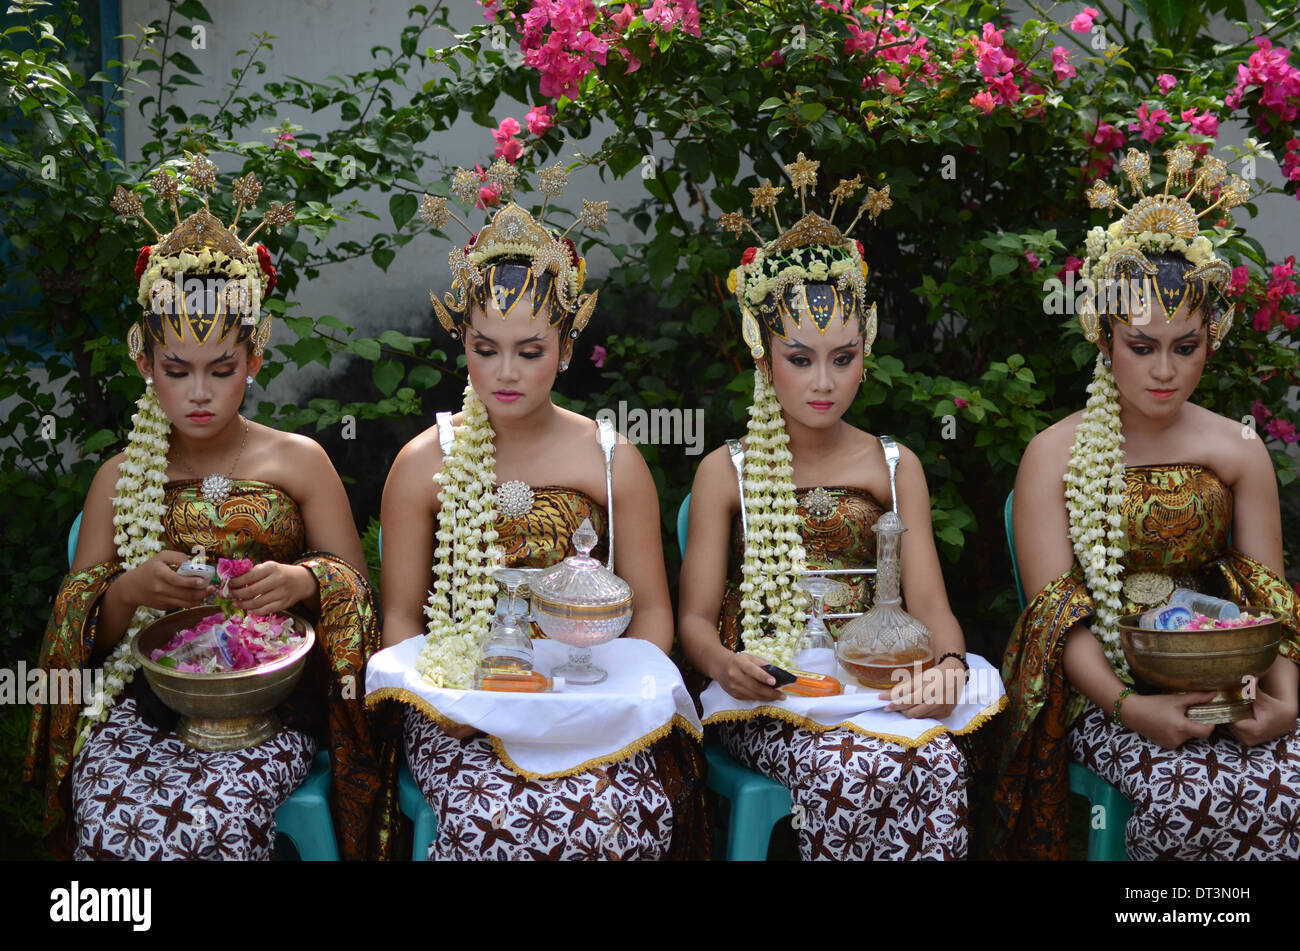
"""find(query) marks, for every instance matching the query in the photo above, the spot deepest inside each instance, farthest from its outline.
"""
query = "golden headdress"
(1161, 222)
(555, 273)
(772, 278)
(202, 245)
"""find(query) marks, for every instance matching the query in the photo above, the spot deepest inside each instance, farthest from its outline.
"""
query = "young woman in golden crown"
(508, 480)
(1115, 506)
(813, 488)
(198, 478)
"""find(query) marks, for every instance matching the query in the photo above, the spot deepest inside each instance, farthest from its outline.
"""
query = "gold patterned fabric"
(842, 539)
(262, 522)
(1177, 520)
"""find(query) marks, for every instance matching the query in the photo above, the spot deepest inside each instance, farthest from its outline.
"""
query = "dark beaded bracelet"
(961, 659)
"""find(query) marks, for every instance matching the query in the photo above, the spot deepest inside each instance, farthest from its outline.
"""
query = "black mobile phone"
(783, 677)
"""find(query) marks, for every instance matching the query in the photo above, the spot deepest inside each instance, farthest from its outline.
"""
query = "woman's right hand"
(155, 584)
(1162, 718)
(743, 676)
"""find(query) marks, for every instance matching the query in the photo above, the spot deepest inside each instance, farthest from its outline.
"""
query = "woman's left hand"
(1273, 717)
(934, 694)
(270, 587)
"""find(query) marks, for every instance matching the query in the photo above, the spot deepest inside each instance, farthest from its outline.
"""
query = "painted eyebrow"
(535, 338)
(796, 345)
(1141, 336)
(172, 358)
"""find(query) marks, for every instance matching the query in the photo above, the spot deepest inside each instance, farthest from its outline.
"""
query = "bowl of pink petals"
(222, 670)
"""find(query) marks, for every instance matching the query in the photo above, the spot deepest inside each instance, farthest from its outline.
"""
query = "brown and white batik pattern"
(139, 793)
(486, 811)
(858, 797)
(1209, 799)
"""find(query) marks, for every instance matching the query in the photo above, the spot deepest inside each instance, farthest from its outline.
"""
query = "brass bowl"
(232, 710)
(1191, 661)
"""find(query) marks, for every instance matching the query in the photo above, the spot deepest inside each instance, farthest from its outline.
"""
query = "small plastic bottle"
(516, 680)
(1198, 603)
(1165, 618)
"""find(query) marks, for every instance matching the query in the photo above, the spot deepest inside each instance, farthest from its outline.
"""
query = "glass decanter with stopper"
(886, 638)
(509, 645)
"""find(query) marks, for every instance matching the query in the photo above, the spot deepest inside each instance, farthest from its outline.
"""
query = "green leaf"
(402, 207)
(424, 377)
(1001, 265)
(383, 257)
(101, 439)
(367, 348)
(387, 374)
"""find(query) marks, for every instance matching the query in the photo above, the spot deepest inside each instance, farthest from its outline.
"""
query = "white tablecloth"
(860, 709)
(553, 734)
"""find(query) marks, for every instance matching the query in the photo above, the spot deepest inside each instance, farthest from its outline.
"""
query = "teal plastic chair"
(1104, 845)
(410, 800)
(756, 803)
(303, 818)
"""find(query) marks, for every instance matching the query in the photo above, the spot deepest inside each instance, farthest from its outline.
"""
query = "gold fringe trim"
(907, 742)
(402, 695)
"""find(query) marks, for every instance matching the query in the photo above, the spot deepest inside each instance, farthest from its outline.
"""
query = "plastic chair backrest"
(1011, 547)
(73, 532)
(683, 523)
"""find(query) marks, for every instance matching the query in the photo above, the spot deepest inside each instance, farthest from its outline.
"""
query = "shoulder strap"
(608, 439)
(738, 460)
(446, 433)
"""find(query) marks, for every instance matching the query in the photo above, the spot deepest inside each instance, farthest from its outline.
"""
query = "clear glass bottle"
(1208, 605)
(886, 639)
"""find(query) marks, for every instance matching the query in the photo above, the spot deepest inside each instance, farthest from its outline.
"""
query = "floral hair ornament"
(1162, 222)
(772, 279)
(202, 245)
(490, 264)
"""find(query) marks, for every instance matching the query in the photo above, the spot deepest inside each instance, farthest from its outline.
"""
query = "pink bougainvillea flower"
(489, 8)
(1082, 22)
(1282, 429)
(1166, 82)
(776, 59)
(598, 354)
(960, 403)
(983, 101)
(1107, 138)
(539, 120)
(624, 16)
(1264, 318)
(1260, 411)
(1150, 122)
(305, 154)
(1240, 277)
(1072, 265)
(283, 140)
(488, 195)
(1290, 321)
(1061, 63)
(1205, 124)
(1032, 258)
(892, 86)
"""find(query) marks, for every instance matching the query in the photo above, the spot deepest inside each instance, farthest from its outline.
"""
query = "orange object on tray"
(808, 684)
(509, 680)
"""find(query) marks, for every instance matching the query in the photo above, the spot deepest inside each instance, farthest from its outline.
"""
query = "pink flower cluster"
(1082, 22)
(558, 42)
(1105, 140)
(1280, 286)
(510, 148)
(886, 37)
(1277, 80)
(285, 140)
(1150, 122)
(1291, 163)
(1001, 67)
(218, 643)
(1200, 622)
(1274, 426)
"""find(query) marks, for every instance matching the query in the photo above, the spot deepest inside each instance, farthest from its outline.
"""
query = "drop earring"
(1106, 362)
(248, 380)
(148, 381)
(564, 365)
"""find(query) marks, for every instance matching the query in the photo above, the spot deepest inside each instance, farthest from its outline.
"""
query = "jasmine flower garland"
(138, 510)
(463, 598)
(774, 553)
(1093, 496)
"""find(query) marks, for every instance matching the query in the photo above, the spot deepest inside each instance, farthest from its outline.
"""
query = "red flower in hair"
(748, 255)
(862, 252)
(573, 251)
(264, 262)
(142, 262)
(472, 239)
